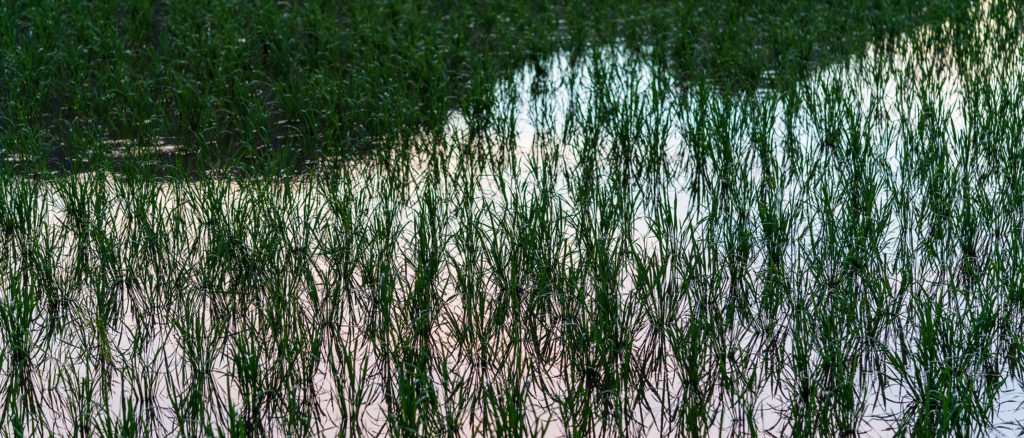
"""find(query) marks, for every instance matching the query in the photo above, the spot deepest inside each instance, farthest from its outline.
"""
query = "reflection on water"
(605, 252)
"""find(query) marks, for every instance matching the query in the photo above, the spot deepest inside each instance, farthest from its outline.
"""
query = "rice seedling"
(578, 218)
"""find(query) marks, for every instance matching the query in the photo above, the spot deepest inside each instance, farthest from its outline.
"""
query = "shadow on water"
(251, 89)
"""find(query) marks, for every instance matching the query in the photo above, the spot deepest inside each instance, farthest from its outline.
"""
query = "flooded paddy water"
(605, 250)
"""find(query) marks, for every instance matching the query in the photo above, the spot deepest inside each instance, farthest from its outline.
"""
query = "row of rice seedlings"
(833, 259)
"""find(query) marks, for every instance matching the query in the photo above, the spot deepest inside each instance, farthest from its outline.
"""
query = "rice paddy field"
(514, 218)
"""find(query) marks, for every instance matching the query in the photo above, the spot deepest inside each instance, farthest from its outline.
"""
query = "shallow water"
(601, 168)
